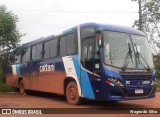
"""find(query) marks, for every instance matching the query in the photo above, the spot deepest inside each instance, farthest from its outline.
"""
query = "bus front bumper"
(128, 93)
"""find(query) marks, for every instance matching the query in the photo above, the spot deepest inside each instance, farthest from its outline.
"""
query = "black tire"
(72, 94)
(22, 88)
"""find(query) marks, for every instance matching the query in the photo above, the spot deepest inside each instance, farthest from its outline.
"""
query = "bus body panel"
(49, 75)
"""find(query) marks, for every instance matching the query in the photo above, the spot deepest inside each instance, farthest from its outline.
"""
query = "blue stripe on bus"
(86, 88)
(18, 69)
(76, 65)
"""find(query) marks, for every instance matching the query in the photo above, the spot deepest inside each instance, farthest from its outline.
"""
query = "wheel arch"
(69, 79)
(19, 79)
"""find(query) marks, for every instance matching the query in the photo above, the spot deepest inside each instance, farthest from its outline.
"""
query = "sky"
(41, 18)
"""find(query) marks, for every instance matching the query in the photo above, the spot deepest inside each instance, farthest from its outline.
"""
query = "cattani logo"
(47, 68)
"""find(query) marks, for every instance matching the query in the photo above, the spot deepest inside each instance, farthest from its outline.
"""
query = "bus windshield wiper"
(138, 55)
(126, 61)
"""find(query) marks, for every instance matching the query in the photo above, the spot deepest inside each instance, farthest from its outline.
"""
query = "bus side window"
(70, 44)
(23, 53)
(67, 45)
(50, 49)
(18, 57)
(63, 46)
(28, 54)
(38, 51)
(33, 53)
(53, 48)
(46, 50)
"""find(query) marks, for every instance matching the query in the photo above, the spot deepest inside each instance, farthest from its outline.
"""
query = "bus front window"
(124, 51)
(116, 49)
(143, 49)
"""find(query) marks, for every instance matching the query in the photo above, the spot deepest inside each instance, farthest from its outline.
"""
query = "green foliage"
(150, 21)
(6, 88)
(9, 34)
(158, 84)
(9, 38)
(3, 86)
(157, 66)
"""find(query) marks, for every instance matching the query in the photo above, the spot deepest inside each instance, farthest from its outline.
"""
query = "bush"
(3, 86)
(157, 66)
(158, 84)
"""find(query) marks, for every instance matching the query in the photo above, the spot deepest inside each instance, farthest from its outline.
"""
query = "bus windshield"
(124, 50)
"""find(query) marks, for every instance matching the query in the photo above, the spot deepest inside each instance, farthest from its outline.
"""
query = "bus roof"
(110, 27)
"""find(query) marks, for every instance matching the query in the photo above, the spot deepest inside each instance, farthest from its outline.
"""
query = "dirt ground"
(42, 101)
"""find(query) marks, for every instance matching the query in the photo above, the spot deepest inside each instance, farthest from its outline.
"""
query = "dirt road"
(43, 101)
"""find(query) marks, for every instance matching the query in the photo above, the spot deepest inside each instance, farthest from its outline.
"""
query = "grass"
(6, 88)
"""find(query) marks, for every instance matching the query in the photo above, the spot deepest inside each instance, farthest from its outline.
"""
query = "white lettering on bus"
(47, 68)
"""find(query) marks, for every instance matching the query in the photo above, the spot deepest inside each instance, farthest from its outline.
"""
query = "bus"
(89, 61)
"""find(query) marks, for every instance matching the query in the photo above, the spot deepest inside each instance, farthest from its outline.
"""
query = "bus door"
(90, 74)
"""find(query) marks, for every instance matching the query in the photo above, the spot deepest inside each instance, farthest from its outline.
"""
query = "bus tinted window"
(24, 55)
(53, 48)
(28, 54)
(46, 49)
(34, 53)
(17, 57)
(63, 46)
(70, 44)
(39, 51)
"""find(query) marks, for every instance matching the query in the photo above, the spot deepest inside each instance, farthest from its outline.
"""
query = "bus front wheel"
(72, 93)
(22, 88)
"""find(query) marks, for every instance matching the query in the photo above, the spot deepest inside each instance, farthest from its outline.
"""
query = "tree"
(150, 23)
(9, 34)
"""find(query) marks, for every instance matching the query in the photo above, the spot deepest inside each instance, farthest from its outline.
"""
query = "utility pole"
(140, 15)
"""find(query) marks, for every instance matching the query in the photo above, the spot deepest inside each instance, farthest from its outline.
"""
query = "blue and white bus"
(89, 61)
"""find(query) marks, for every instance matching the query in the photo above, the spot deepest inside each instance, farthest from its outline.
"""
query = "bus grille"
(136, 77)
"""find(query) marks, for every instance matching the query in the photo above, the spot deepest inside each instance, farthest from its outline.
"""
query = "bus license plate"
(138, 91)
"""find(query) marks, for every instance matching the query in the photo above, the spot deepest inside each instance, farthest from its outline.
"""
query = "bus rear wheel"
(22, 88)
(72, 93)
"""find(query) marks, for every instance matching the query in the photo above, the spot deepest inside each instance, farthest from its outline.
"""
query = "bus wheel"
(72, 93)
(21, 88)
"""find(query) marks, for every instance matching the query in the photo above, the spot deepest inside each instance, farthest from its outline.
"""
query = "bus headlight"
(145, 82)
(115, 81)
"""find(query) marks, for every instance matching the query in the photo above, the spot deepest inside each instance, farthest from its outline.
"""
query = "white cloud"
(38, 18)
